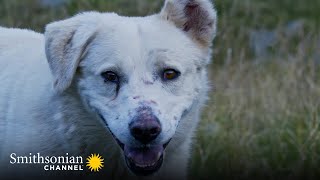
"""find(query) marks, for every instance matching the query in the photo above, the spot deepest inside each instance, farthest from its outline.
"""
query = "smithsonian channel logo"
(66, 162)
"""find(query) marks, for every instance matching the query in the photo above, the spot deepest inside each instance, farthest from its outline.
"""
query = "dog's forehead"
(138, 42)
(149, 32)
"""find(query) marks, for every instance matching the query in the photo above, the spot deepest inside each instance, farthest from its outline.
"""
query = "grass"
(262, 122)
(263, 118)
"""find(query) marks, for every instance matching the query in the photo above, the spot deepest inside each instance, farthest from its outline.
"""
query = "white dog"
(123, 87)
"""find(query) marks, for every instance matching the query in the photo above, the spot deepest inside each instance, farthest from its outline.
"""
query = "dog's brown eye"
(110, 76)
(170, 74)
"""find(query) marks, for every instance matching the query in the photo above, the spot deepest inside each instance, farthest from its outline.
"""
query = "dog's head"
(139, 75)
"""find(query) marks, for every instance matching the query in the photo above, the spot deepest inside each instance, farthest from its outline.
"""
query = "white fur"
(57, 112)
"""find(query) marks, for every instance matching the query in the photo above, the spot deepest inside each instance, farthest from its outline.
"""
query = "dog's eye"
(110, 76)
(170, 74)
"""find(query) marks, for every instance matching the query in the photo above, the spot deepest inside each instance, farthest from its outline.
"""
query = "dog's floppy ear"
(65, 44)
(197, 18)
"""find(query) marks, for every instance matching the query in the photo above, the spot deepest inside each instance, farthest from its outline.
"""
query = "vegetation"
(263, 118)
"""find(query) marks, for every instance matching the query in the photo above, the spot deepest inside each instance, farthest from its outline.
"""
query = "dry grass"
(263, 120)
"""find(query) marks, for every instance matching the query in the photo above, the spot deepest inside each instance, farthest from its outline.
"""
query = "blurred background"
(262, 119)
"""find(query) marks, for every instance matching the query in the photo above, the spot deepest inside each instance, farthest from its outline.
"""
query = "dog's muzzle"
(145, 128)
(147, 158)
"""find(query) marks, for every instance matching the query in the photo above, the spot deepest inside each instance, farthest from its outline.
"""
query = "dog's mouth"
(144, 160)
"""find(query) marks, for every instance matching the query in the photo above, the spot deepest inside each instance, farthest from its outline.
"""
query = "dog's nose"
(145, 128)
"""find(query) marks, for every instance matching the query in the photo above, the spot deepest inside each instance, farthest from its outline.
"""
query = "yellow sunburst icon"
(95, 162)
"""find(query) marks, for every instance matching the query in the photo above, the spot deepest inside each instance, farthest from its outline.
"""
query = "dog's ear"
(197, 18)
(65, 44)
